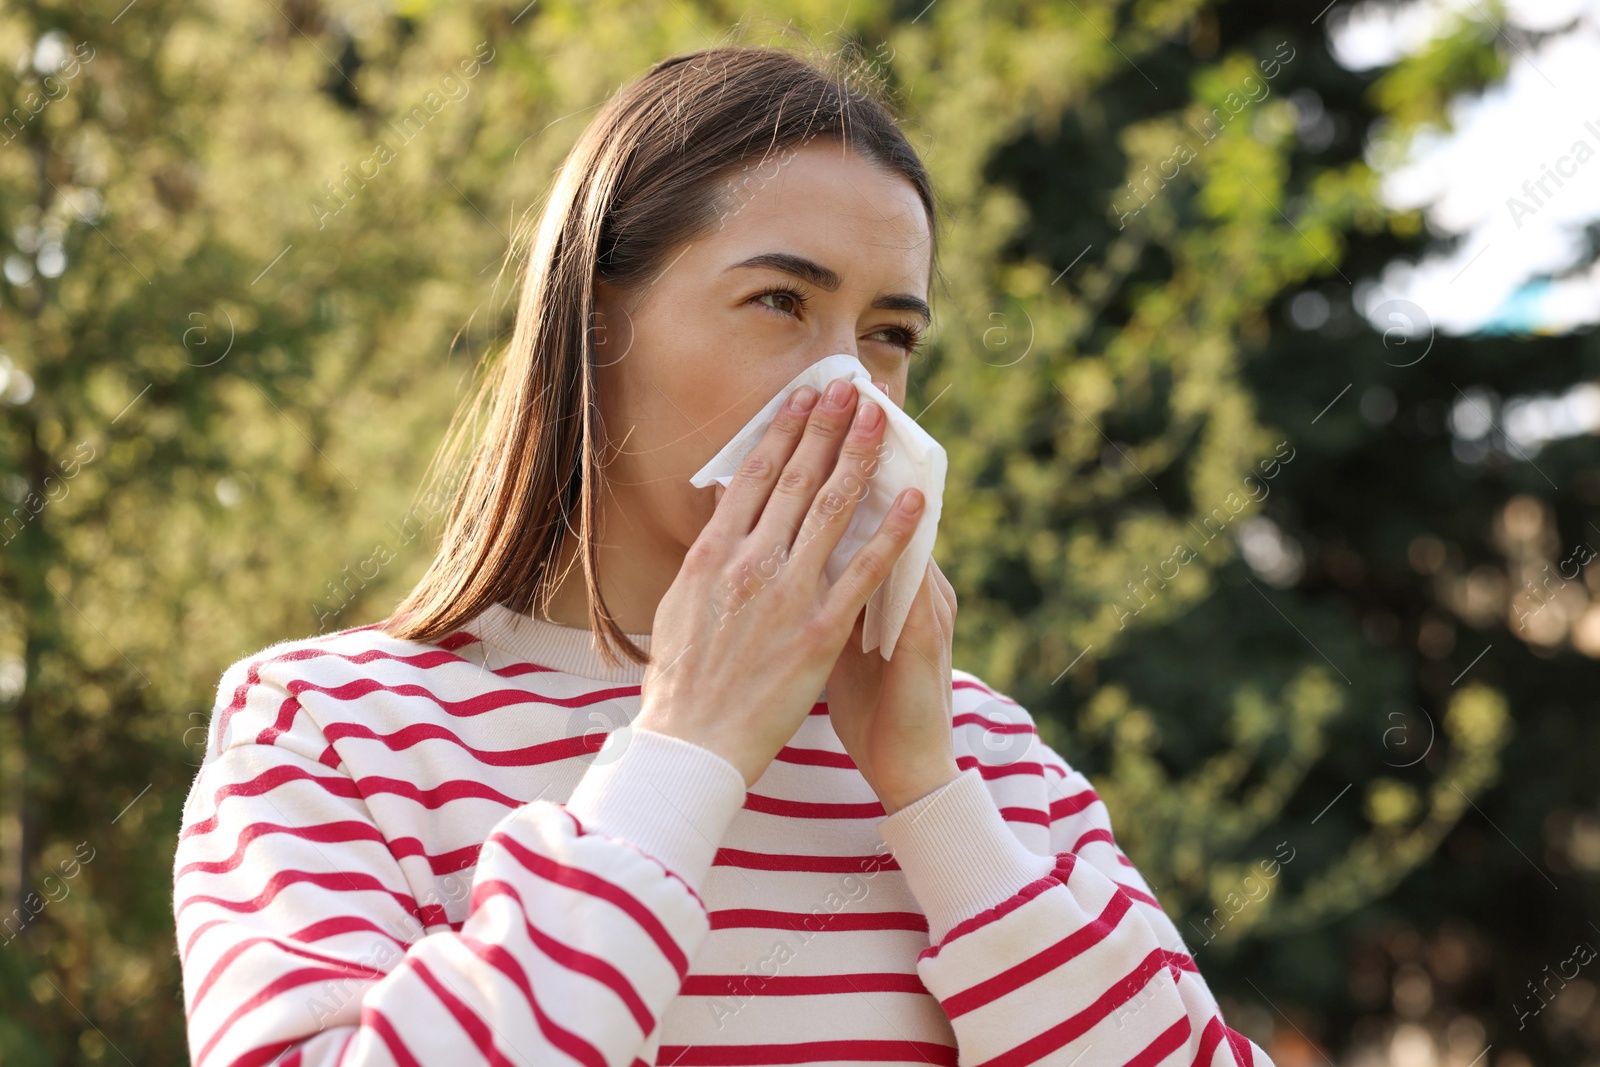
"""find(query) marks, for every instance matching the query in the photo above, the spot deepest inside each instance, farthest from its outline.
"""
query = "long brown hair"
(643, 178)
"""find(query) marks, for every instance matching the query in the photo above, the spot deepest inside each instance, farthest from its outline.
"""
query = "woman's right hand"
(745, 637)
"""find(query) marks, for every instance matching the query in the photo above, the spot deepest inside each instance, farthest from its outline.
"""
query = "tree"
(242, 310)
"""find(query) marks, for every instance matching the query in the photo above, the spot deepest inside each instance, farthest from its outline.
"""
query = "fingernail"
(803, 399)
(867, 415)
(912, 503)
(838, 389)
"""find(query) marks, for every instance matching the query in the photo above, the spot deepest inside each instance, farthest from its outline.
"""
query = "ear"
(610, 324)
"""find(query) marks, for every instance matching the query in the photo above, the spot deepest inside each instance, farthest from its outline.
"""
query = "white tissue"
(907, 456)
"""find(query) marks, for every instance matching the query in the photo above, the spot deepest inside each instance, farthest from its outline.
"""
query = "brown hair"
(643, 178)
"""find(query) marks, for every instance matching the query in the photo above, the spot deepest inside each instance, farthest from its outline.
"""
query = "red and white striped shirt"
(460, 853)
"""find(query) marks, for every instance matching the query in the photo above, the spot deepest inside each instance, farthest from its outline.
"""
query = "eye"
(908, 337)
(792, 301)
(783, 300)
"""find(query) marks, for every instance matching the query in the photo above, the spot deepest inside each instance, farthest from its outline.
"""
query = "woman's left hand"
(893, 716)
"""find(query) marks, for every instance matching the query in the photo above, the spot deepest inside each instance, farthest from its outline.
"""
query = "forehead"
(829, 204)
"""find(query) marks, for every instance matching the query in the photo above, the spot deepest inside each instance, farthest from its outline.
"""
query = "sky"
(1513, 181)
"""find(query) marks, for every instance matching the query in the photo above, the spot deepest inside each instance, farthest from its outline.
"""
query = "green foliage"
(261, 351)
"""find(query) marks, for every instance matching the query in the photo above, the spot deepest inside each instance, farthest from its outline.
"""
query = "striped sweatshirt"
(461, 853)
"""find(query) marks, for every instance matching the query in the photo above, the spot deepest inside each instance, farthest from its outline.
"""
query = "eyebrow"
(823, 278)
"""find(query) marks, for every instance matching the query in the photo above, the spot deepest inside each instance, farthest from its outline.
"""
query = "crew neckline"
(572, 649)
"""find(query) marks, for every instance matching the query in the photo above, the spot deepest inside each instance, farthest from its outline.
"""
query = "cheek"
(668, 410)
(895, 386)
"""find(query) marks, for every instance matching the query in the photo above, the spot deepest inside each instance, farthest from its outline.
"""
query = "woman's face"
(818, 251)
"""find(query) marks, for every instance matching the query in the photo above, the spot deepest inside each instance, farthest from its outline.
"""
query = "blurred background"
(1263, 353)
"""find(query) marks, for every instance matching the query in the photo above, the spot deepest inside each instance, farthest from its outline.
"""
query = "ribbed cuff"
(670, 798)
(959, 856)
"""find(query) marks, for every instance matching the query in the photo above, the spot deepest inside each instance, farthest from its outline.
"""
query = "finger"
(752, 483)
(945, 588)
(872, 563)
(943, 612)
(720, 490)
(808, 469)
(937, 606)
(925, 634)
(850, 483)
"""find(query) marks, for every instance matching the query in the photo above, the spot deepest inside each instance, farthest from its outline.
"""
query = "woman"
(472, 833)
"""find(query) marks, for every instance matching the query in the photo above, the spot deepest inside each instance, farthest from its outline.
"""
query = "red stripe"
(760, 985)
(992, 726)
(241, 692)
(815, 757)
(1058, 876)
(284, 982)
(317, 931)
(321, 833)
(459, 639)
(353, 882)
(773, 861)
(264, 1054)
(427, 660)
(440, 795)
(806, 1052)
(265, 782)
(1028, 815)
(183, 953)
(557, 1035)
(573, 959)
(1170, 1041)
(234, 951)
(465, 1017)
(1103, 836)
(1210, 1038)
(473, 706)
(1040, 963)
(1240, 1045)
(375, 1019)
(416, 733)
(441, 863)
(809, 809)
(1060, 809)
(998, 770)
(1074, 1027)
(757, 918)
(593, 885)
(323, 929)
(974, 683)
(1140, 895)
(280, 725)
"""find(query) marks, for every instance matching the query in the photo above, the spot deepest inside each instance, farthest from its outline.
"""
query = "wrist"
(669, 798)
(905, 793)
(719, 742)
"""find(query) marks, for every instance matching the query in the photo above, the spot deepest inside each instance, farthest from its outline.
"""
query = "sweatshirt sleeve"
(1059, 959)
(301, 941)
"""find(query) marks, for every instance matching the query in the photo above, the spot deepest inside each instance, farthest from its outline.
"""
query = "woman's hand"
(893, 716)
(745, 636)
